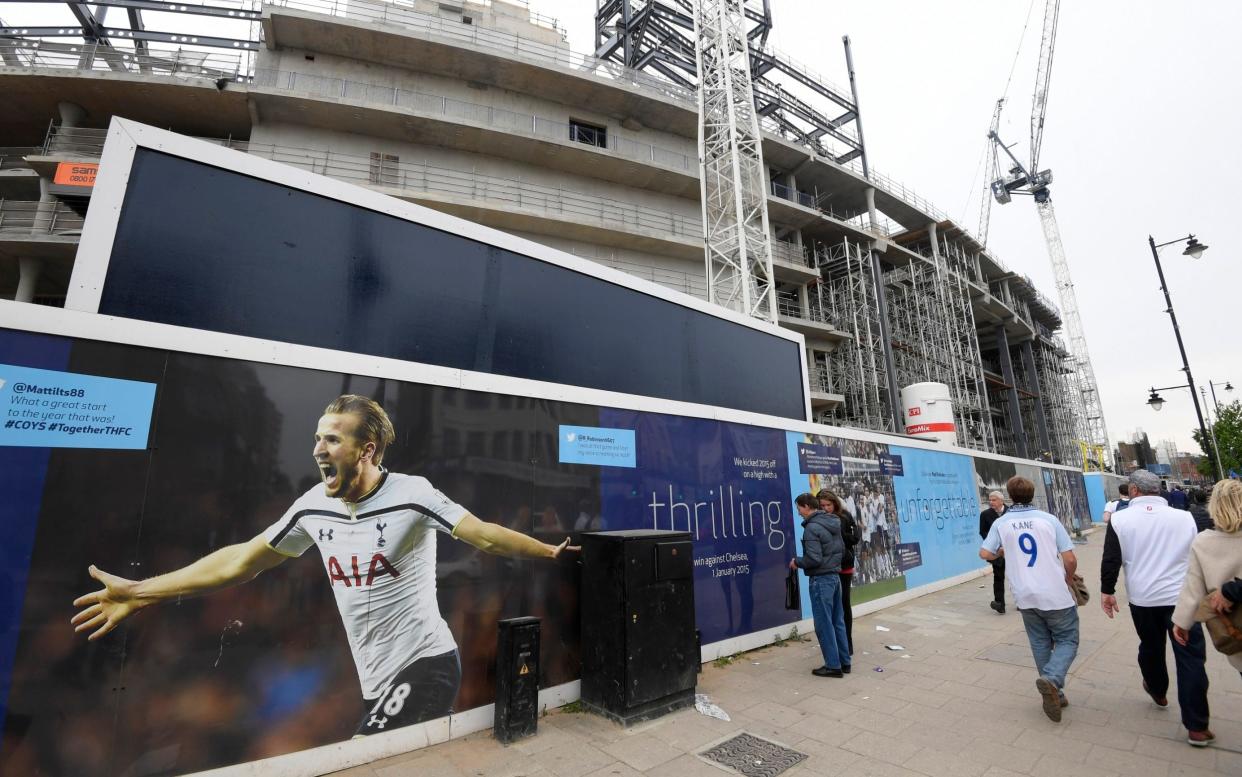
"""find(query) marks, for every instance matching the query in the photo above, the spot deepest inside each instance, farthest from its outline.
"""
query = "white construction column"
(896, 412)
(71, 114)
(28, 279)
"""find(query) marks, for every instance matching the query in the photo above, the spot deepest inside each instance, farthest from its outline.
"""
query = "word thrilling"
(735, 517)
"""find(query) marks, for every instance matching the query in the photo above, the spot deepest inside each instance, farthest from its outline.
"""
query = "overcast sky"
(1142, 133)
(1144, 119)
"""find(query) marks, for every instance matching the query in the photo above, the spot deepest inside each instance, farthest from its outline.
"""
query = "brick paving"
(959, 701)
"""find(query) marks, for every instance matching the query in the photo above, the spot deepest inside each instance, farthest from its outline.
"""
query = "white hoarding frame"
(125, 137)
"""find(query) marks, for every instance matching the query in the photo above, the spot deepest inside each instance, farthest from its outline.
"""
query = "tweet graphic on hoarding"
(52, 409)
(592, 445)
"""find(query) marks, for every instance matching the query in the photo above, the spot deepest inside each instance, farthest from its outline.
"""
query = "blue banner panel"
(728, 485)
(938, 507)
(53, 409)
(819, 459)
(909, 556)
(592, 445)
(890, 465)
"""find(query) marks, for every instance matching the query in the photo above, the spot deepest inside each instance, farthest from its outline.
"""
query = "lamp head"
(1156, 401)
(1228, 386)
(1194, 249)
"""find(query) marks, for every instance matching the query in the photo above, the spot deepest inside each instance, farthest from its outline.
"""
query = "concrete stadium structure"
(482, 110)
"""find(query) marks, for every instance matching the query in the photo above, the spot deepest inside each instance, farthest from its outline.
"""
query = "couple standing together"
(829, 535)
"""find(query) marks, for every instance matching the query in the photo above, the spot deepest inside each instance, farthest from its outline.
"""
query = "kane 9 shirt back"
(1033, 541)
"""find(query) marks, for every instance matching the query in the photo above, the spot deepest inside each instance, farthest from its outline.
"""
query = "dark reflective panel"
(240, 255)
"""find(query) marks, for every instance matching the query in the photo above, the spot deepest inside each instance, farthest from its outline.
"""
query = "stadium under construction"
(483, 110)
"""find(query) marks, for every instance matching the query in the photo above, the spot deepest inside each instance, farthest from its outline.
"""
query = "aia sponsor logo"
(355, 577)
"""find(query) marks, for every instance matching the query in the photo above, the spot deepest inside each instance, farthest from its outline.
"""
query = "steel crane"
(1029, 179)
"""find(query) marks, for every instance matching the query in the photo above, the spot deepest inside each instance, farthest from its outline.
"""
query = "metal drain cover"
(754, 757)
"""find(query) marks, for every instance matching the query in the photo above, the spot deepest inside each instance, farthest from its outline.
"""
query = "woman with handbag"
(1215, 561)
(831, 503)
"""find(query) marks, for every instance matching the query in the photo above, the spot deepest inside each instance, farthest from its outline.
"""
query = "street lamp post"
(1228, 387)
(1194, 249)
(1220, 470)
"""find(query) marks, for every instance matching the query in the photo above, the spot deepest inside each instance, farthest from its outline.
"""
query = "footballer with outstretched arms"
(375, 530)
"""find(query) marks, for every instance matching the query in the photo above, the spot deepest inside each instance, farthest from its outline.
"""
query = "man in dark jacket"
(996, 508)
(1198, 509)
(821, 562)
(1177, 499)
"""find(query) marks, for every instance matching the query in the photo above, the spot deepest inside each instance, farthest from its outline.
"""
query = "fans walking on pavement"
(1041, 573)
(996, 508)
(1151, 541)
(1120, 503)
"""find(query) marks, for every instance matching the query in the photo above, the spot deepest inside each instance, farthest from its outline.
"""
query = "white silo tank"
(928, 412)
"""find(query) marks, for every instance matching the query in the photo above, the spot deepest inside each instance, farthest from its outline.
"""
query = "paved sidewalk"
(958, 701)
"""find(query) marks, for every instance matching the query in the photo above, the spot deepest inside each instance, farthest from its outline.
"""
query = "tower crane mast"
(1029, 179)
(736, 235)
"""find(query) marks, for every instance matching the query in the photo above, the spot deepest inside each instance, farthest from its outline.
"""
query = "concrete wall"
(319, 139)
(544, 106)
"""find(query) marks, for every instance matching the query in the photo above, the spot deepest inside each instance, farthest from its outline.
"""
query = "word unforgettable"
(738, 520)
(942, 508)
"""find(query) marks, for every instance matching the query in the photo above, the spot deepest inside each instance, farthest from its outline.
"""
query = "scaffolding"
(856, 366)
(970, 396)
(934, 337)
(1058, 380)
(791, 100)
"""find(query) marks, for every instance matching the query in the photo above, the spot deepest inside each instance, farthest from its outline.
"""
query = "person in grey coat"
(822, 548)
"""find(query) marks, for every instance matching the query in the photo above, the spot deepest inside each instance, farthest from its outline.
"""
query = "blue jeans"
(1053, 635)
(829, 615)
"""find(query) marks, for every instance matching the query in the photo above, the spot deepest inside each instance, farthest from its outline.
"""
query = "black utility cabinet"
(517, 679)
(640, 656)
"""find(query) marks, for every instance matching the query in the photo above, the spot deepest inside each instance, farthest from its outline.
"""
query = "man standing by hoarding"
(1152, 542)
(376, 533)
(995, 509)
(1040, 573)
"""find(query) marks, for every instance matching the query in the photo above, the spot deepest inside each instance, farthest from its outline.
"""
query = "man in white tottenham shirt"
(376, 533)
(1152, 542)
(1040, 565)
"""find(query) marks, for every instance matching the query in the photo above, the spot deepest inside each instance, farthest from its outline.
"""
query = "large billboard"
(532, 397)
(294, 658)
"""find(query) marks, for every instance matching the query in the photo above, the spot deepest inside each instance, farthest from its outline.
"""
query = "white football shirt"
(380, 555)
(1033, 541)
(1155, 548)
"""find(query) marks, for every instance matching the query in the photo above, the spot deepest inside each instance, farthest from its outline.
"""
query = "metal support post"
(886, 338)
(1220, 470)
(1041, 421)
(1015, 413)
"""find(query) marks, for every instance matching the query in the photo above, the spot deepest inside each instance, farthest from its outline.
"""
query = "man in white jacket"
(1152, 542)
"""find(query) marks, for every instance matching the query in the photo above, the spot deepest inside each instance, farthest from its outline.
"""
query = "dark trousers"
(998, 580)
(422, 691)
(846, 579)
(1153, 625)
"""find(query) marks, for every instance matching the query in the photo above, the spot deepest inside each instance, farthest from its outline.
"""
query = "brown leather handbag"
(1079, 591)
(1225, 630)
